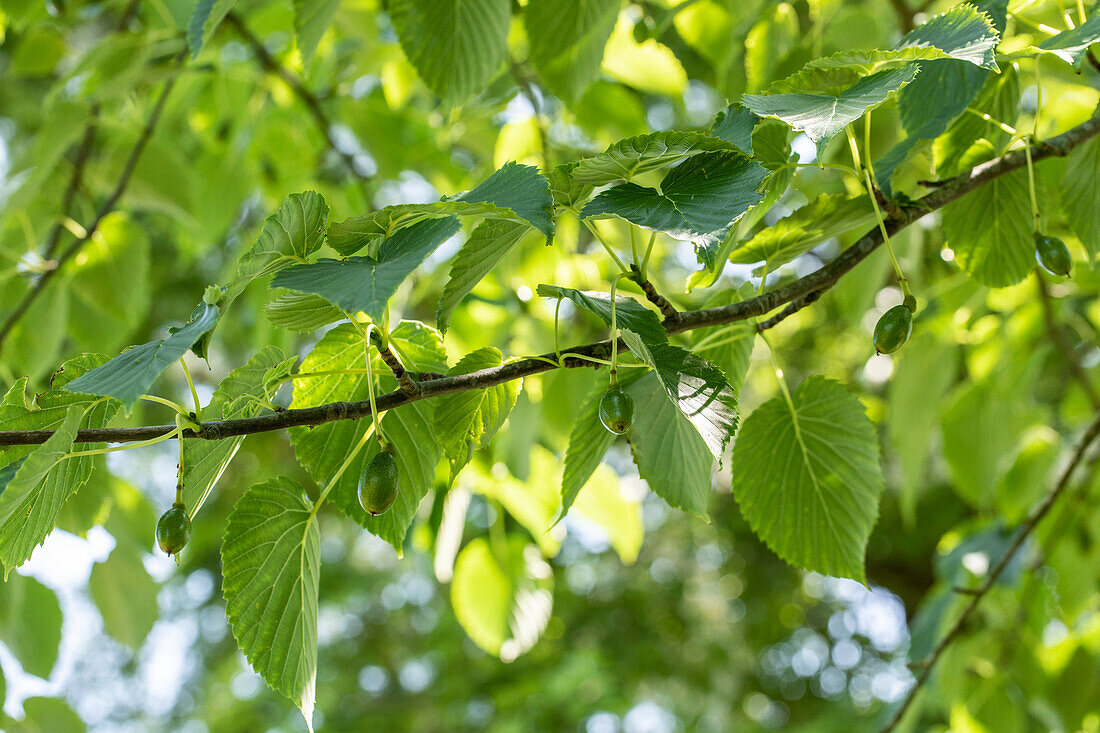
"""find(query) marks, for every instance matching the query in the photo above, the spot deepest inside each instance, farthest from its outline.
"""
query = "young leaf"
(366, 284)
(829, 215)
(699, 200)
(807, 477)
(565, 189)
(455, 45)
(629, 313)
(567, 40)
(503, 601)
(990, 231)
(301, 312)
(466, 420)
(667, 449)
(130, 374)
(271, 563)
(821, 116)
(241, 394)
(487, 246)
(294, 232)
(637, 155)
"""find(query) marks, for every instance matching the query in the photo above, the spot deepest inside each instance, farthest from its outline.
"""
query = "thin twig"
(404, 379)
(527, 88)
(759, 306)
(308, 98)
(1022, 534)
(106, 208)
(1058, 336)
(83, 153)
(793, 307)
(667, 309)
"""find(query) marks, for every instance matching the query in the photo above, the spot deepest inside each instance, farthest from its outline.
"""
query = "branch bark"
(308, 98)
(106, 208)
(1022, 533)
(794, 292)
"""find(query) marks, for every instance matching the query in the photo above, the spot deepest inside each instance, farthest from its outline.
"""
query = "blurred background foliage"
(706, 629)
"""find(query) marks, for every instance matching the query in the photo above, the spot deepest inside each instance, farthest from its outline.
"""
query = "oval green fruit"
(893, 329)
(378, 484)
(1053, 256)
(616, 411)
(173, 529)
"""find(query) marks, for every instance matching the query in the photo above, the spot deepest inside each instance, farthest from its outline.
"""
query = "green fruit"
(1053, 256)
(378, 484)
(892, 330)
(616, 411)
(173, 529)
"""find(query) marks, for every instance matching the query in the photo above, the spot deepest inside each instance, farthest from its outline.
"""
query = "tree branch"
(107, 207)
(816, 282)
(308, 98)
(1022, 533)
(1058, 336)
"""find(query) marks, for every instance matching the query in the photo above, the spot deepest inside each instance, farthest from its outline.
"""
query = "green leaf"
(821, 116)
(365, 284)
(696, 387)
(808, 479)
(470, 419)
(33, 497)
(271, 562)
(534, 502)
(455, 45)
(567, 40)
(205, 18)
(241, 394)
(1071, 46)
(292, 233)
(311, 20)
(301, 312)
(829, 215)
(1081, 195)
(990, 231)
(47, 714)
(321, 450)
(102, 315)
(637, 155)
(30, 624)
(735, 125)
(970, 139)
(515, 193)
(126, 597)
(925, 371)
(963, 33)
(485, 249)
(130, 374)
(589, 441)
(699, 200)
(604, 503)
(503, 601)
(567, 192)
(667, 449)
(629, 313)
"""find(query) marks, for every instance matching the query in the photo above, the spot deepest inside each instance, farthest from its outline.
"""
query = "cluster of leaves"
(805, 467)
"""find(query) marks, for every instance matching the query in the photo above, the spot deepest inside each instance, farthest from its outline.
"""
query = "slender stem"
(634, 247)
(870, 186)
(126, 446)
(1038, 226)
(167, 403)
(648, 251)
(557, 346)
(993, 121)
(370, 388)
(614, 333)
(601, 240)
(194, 392)
(179, 462)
